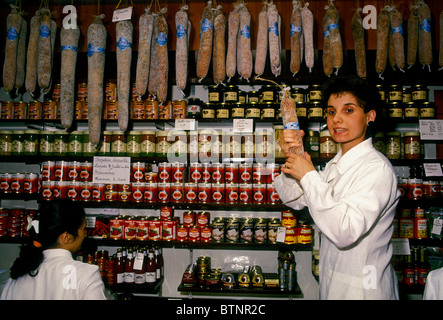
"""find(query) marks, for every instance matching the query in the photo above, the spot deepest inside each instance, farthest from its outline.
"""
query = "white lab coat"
(353, 203)
(59, 277)
(434, 285)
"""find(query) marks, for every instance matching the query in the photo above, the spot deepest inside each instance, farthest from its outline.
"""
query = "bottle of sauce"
(150, 268)
(423, 268)
(129, 268)
(139, 265)
(158, 263)
(408, 272)
(119, 267)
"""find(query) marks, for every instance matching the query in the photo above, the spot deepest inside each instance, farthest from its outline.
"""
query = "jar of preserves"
(419, 93)
(237, 111)
(264, 146)
(179, 109)
(393, 145)
(412, 111)
(5, 143)
(252, 111)
(133, 144)
(89, 149)
(17, 142)
(268, 111)
(231, 94)
(104, 146)
(406, 95)
(247, 145)
(241, 96)
(31, 142)
(269, 93)
(194, 108)
(46, 145)
(193, 146)
(208, 111)
(215, 94)
(315, 111)
(278, 131)
(179, 142)
(427, 110)
(381, 91)
(315, 93)
(312, 144)
(118, 143)
(61, 142)
(253, 96)
(379, 142)
(298, 94)
(302, 110)
(223, 111)
(162, 144)
(328, 147)
(232, 142)
(75, 147)
(395, 93)
(395, 110)
(412, 145)
(147, 143)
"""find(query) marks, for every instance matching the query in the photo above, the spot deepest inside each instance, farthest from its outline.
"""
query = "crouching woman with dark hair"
(45, 268)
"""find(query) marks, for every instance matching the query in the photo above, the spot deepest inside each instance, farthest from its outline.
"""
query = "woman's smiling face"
(347, 121)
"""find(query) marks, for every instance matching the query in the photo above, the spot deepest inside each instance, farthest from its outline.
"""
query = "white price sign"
(431, 129)
(243, 125)
(185, 124)
(122, 14)
(111, 170)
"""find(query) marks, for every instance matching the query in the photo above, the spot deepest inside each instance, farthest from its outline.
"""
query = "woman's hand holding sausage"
(295, 165)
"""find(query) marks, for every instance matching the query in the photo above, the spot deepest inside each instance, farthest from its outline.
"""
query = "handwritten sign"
(122, 14)
(185, 124)
(243, 125)
(432, 169)
(111, 170)
(431, 129)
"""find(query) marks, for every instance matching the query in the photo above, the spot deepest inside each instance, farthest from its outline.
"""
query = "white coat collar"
(55, 253)
(343, 162)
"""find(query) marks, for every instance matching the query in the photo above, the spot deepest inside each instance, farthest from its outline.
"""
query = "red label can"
(30, 183)
(245, 193)
(73, 192)
(206, 234)
(164, 172)
(231, 192)
(164, 192)
(177, 192)
(138, 172)
(288, 219)
(98, 192)
(48, 190)
(86, 171)
(245, 173)
(202, 219)
(116, 228)
(61, 189)
(259, 192)
(206, 172)
(194, 234)
(182, 233)
(166, 213)
(304, 234)
(155, 229)
(218, 192)
(130, 228)
(259, 173)
(178, 172)
(204, 192)
(150, 194)
(168, 230)
(48, 170)
(86, 191)
(61, 170)
(218, 172)
(196, 172)
(5, 182)
(17, 181)
(273, 172)
(271, 194)
(191, 191)
(142, 229)
(138, 191)
(231, 173)
(188, 218)
(74, 170)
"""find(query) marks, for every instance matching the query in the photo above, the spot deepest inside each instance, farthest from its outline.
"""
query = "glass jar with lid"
(278, 131)
(215, 94)
(419, 93)
(393, 145)
(395, 93)
(75, 147)
(312, 144)
(147, 143)
(232, 143)
(231, 94)
(328, 147)
(315, 111)
(46, 145)
(412, 145)
(252, 111)
(427, 110)
(237, 111)
(268, 111)
(411, 112)
(264, 144)
(247, 145)
(395, 110)
(5, 143)
(104, 146)
(89, 149)
(17, 142)
(162, 143)
(133, 144)
(118, 143)
(223, 111)
(179, 142)
(253, 96)
(298, 94)
(269, 93)
(315, 93)
(379, 142)
(194, 108)
(208, 111)
(61, 142)
(31, 142)
(302, 110)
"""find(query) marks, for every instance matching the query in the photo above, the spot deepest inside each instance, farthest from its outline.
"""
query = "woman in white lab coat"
(352, 201)
(45, 268)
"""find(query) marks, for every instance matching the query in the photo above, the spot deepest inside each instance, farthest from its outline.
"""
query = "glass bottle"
(150, 268)
(140, 274)
(119, 267)
(129, 268)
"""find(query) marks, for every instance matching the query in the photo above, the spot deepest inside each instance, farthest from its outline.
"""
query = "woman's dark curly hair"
(55, 217)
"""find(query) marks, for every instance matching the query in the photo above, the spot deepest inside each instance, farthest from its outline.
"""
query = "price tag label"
(243, 125)
(432, 169)
(281, 234)
(111, 170)
(431, 129)
(185, 124)
(138, 261)
(122, 14)
(90, 222)
(436, 227)
(401, 246)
